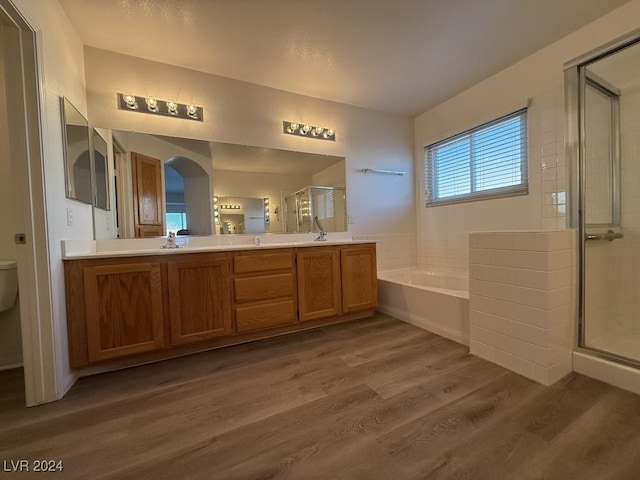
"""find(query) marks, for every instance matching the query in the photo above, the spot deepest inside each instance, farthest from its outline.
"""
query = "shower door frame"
(574, 81)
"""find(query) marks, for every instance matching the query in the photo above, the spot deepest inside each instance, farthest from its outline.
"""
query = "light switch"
(69, 217)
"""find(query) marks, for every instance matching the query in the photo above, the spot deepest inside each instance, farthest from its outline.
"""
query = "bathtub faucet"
(322, 233)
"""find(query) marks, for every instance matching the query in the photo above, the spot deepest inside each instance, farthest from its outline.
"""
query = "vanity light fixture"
(155, 106)
(307, 130)
(230, 207)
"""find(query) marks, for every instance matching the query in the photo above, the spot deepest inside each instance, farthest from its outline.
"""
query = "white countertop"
(78, 249)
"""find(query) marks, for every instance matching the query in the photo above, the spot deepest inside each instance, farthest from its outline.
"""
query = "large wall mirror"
(205, 188)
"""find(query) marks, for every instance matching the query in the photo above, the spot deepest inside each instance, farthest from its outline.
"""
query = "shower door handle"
(610, 236)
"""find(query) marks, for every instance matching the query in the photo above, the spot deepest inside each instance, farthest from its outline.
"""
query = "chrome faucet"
(322, 233)
(171, 241)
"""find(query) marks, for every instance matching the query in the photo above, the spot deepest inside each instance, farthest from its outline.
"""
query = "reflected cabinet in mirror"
(198, 187)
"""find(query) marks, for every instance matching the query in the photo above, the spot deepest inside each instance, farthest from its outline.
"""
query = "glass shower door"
(610, 204)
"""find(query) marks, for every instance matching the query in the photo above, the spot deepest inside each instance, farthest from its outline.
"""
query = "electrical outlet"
(69, 217)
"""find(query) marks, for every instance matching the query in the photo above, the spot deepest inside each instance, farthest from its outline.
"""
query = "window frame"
(474, 194)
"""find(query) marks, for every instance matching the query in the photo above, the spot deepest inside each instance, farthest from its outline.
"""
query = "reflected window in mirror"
(176, 214)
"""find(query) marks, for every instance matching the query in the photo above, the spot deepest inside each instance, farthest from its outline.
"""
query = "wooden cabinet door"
(359, 277)
(148, 202)
(199, 298)
(123, 309)
(318, 283)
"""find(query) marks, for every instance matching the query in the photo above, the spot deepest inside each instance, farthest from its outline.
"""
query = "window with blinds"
(488, 161)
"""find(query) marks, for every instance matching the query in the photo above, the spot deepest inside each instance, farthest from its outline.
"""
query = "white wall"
(242, 113)
(443, 231)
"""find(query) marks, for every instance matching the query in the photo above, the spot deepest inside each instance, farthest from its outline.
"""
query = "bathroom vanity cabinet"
(143, 308)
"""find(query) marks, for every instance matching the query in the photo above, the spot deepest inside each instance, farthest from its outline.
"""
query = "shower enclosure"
(325, 202)
(603, 139)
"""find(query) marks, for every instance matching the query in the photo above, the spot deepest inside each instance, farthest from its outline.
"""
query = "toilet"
(8, 284)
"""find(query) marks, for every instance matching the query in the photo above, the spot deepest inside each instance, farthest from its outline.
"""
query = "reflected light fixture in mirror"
(155, 106)
(216, 210)
(265, 201)
(311, 131)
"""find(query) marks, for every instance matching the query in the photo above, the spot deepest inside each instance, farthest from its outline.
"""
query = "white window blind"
(488, 161)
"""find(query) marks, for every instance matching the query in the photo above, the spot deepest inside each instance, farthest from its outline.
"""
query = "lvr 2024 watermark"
(37, 466)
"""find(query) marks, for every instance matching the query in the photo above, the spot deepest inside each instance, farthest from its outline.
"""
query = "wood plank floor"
(374, 399)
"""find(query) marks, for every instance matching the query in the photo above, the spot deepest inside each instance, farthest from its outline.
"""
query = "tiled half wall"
(521, 298)
(394, 250)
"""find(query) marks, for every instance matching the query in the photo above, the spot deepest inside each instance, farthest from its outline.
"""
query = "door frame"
(27, 92)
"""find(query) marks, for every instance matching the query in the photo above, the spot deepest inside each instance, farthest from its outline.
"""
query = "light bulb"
(172, 107)
(130, 100)
(192, 110)
(317, 131)
(329, 133)
(306, 129)
(292, 127)
(152, 103)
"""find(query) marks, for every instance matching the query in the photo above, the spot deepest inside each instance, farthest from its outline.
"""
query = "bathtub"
(436, 302)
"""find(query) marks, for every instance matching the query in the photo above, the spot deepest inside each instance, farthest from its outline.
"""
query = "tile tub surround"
(522, 301)
(394, 250)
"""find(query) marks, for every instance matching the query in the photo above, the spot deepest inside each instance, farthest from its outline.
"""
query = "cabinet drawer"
(263, 262)
(264, 287)
(258, 317)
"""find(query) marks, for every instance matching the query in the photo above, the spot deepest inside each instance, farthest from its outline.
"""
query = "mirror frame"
(67, 110)
(93, 139)
(97, 138)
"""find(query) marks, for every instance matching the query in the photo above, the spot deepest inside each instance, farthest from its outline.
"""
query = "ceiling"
(396, 56)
